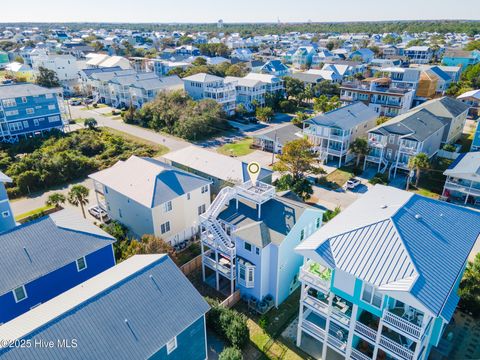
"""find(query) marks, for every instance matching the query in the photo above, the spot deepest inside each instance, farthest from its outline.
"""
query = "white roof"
(69, 219)
(135, 178)
(266, 78)
(472, 93)
(42, 314)
(220, 166)
(467, 168)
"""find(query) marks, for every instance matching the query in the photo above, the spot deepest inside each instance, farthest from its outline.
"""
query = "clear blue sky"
(236, 11)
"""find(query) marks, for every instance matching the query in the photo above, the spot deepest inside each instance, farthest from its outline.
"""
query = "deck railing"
(366, 331)
(357, 355)
(399, 323)
(396, 348)
(314, 330)
(316, 304)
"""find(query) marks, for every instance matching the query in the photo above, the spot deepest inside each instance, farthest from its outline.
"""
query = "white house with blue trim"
(380, 280)
(248, 238)
(143, 308)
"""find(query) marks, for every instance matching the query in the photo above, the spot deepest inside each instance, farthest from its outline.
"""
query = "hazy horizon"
(248, 11)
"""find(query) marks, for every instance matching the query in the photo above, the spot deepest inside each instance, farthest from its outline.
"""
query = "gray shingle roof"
(346, 117)
(36, 248)
(122, 313)
(19, 90)
(278, 216)
(445, 107)
(282, 135)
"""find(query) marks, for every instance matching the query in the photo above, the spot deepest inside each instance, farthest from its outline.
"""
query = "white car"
(75, 102)
(98, 213)
(352, 183)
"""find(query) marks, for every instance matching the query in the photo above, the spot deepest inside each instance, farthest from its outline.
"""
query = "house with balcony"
(151, 308)
(344, 68)
(395, 141)
(275, 140)
(145, 90)
(365, 55)
(250, 92)
(472, 99)
(370, 280)
(276, 68)
(151, 197)
(458, 57)
(407, 78)
(384, 97)
(46, 257)
(205, 86)
(332, 133)
(273, 84)
(462, 185)
(452, 112)
(248, 236)
(303, 56)
(419, 54)
(64, 66)
(30, 110)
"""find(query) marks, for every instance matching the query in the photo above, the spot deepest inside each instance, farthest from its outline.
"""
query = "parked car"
(75, 102)
(352, 183)
(98, 213)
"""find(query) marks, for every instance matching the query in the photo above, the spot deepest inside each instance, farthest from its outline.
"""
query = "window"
(171, 345)
(35, 122)
(51, 107)
(120, 212)
(81, 264)
(246, 274)
(164, 228)
(257, 251)
(29, 111)
(6, 214)
(391, 139)
(318, 223)
(201, 209)
(188, 196)
(24, 99)
(371, 296)
(247, 246)
(53, 118)
(168, 206)
(25, 124)
(20, 293)
(204, 189)
(11, 113)
(15, 126)
(9, 103)
(302, 234)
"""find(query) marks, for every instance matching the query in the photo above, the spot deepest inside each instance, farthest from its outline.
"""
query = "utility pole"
(273, 149)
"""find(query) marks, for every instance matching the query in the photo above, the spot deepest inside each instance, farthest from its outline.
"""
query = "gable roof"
(203, 77)
(281, 135)
(445, 107)
(19, 90)
(41, 246)
(466, 166)
(399, 241)
(417, 124)
(135, 307)
(346, 117)
(147, 181)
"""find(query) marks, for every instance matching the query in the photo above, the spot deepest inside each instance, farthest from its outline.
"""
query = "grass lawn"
(466, 141)
(238, 148)
(432, 180)
(161, 149)
(265, 330)
(339, 176)
(33, 212)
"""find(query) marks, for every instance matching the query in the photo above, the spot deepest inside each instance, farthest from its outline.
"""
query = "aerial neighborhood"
(240, 190)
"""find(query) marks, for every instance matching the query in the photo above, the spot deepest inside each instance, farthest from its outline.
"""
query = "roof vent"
(384, 206)
(418, 216)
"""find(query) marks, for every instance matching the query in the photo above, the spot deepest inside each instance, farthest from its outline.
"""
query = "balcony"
(341, 310)
(314, 325)
(316, 300)
(357, 355)
(411, 150)
(257, 192)
(463, 188)
(316, 275)
(223, 265)
(365, 331)
(402, 351)
(405, 321)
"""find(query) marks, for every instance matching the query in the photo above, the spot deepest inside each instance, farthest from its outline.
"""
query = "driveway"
(149, 135)
(35, 201)
(330, 199)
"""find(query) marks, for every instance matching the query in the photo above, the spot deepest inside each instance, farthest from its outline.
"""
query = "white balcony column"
(217, 275)
(353, 321)
(300, 316)
(469, 191)
(377, 339)
(203, 264)
(327, 326)
(340, 157)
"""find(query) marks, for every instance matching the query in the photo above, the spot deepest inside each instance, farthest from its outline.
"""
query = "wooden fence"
(231, 300)
(192, 265)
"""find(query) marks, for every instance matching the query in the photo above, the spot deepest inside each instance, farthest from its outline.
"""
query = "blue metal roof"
(157, 301)
(439, 238)
(264, 173)
(39, 247)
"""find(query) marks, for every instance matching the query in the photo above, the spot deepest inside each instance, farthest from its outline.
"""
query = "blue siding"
(7, 222)
(55, 283)
(191, 344)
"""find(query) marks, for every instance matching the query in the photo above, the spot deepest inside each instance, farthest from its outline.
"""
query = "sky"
(167, 11)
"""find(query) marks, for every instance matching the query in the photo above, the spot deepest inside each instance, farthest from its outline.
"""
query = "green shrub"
(228, 323)
(329, 214)
(449, 147)
(379, 178)
(231, 353)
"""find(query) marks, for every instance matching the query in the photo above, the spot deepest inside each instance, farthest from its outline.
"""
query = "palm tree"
(417, 163)
(360, 148)
(78, 196)
(55, 200)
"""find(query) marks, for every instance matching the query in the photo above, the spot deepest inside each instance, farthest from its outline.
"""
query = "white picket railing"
(402, 324)
(314, 330)
(316, 304)
(339, 344)
(366, 331)
(314, 280)
(357, 355)
(396, 348)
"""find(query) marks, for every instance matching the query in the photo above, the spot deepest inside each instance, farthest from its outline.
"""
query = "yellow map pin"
(253, 169)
